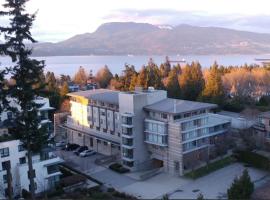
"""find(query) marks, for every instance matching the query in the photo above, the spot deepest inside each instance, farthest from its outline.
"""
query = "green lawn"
(210, 168)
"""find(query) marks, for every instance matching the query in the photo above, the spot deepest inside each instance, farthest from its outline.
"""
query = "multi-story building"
(262, 130)
(13, 157)
(45, 165)
(145, 128)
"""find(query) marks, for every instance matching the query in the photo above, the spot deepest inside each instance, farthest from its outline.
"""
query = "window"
(98, 141)
(5, 165)
(4, 152)
(187, 115)
(177, 117)
(52, 169)
(79, 134)
(164, 116)
(5, 178)
(22, 160)
(105, 143)
(91, 142)
(20, 148)
(176, 166)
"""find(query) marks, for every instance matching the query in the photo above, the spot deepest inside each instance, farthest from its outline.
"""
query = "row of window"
(155, 127)
(159, 115)
(194, 144)
(193, 134)
(194, 123)
(186, 115)
(4, 152)
(156, 139)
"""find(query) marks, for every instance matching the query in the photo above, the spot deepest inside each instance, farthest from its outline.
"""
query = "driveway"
(212, 186)
(88, 166)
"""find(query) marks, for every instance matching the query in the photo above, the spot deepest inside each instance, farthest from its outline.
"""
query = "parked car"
(71, 147)
(60, 144)
(86, 153)
(80, 149)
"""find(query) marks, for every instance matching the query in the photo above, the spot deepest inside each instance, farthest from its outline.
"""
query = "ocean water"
(68, 65)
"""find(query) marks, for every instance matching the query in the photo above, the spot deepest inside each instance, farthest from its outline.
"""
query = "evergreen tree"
(52, 90)
(64, 78)
(165, 68)
(191, 81)
(213, 90)
(150, 76)
(64, 90)
(133, 82)
(241, 188)
(172, 85)
(129, 73)
(81, 76)
(104, 77)
(27, 74)
(142, 78)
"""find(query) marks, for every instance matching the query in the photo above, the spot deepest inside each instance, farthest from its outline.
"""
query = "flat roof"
(175, 106)
(104, 95)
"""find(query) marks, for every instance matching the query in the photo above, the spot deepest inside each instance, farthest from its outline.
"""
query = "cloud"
(256, 23)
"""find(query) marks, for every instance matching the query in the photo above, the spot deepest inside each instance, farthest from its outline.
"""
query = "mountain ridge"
(122, 38)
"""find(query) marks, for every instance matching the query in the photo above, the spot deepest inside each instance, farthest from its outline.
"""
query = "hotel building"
(144, 128)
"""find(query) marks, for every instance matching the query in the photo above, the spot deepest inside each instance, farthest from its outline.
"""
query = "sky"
(61, 19)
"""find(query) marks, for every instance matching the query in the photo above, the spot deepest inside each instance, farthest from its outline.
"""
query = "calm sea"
(69, 64)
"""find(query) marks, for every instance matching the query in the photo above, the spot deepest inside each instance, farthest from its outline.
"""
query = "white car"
(60, 144)
(87, 153)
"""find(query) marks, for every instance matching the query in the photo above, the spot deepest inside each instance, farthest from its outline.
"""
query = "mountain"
(122, 38)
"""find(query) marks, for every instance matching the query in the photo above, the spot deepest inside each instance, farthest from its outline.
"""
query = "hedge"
(253, 159)
(118, 168)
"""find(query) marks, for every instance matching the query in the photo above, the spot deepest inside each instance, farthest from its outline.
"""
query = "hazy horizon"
(59, 20)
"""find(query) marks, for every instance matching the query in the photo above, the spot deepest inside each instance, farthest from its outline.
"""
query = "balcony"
(127, 121)
(259, 126)
(127, 143)
(127, 154)
(127, 132)
(156, 139)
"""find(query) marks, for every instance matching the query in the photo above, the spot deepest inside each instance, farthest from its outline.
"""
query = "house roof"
(175, 106)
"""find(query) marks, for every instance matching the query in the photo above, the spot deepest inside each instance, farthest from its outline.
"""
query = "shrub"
(72, 180)
(234, 106)
(118, 168)
(110, 190)
(253, 159)
(213, 166)
(26, 194)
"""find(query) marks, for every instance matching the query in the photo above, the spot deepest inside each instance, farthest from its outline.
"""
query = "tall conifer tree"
(27, 74)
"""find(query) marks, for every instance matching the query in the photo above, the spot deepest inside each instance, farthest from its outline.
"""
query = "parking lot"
(101, 173)
(211, 186)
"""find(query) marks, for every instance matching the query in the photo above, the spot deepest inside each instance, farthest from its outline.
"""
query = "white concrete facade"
(12, 151)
